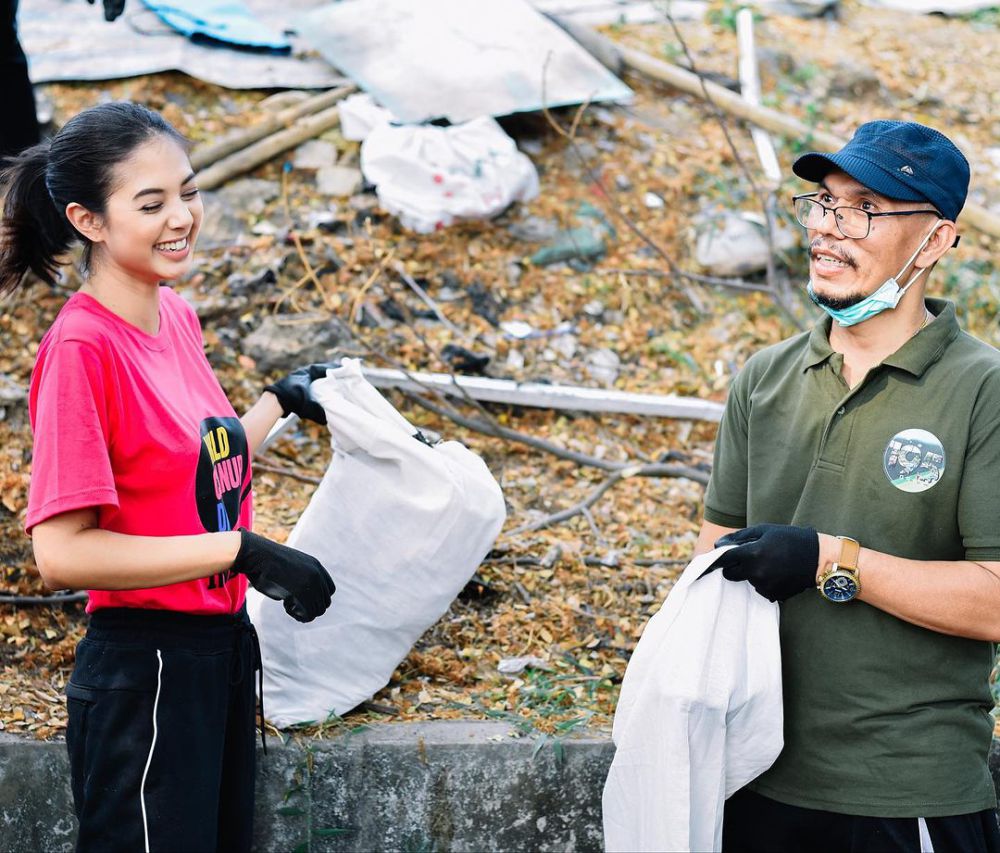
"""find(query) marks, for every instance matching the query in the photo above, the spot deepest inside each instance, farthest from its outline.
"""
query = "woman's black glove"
(284, 574)
(778, 559)
(294, 396)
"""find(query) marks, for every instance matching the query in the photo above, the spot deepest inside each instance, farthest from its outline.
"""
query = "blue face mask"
(887, 296)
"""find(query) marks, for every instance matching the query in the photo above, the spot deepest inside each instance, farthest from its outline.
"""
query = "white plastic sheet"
(400, 526)
(699, 715)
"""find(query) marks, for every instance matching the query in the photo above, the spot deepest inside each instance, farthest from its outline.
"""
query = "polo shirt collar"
(915, 356)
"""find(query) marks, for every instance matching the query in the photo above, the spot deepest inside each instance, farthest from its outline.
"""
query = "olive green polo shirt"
(882, 718)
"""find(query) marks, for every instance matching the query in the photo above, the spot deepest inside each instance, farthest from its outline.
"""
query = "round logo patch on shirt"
(914, 460)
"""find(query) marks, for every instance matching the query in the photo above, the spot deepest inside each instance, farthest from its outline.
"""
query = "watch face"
(840, 586)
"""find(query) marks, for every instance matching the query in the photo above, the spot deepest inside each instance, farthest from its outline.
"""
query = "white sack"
(432, 176)
(699, 715)
(400, 526)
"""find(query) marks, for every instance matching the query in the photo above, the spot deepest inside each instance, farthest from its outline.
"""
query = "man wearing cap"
(857, 470)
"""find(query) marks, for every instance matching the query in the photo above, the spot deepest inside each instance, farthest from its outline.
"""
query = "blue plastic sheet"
(223, 22)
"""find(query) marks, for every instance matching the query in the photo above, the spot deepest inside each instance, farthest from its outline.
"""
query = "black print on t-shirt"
(222, 465)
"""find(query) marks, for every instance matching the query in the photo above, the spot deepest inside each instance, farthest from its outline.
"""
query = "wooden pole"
(204, 155)
(267, 148)
(617, 58)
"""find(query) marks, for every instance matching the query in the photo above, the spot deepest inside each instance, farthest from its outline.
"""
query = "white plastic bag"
(432, 176)
(699, 715)
(400, 526)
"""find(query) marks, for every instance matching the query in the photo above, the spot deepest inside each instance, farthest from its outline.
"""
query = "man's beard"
(838, 303)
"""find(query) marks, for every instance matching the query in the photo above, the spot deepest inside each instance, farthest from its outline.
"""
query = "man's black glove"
(286, 575)
(778, 559)
(293, 392)
(112, 8)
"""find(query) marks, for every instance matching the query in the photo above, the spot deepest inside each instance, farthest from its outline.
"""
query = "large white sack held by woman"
(400, 526)
(699, 714)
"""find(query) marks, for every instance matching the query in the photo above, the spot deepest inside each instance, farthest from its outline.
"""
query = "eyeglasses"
(852, 222)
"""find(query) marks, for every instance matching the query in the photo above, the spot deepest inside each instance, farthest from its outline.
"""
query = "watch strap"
(850, 549)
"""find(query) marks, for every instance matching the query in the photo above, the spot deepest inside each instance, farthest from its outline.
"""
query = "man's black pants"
(18, 124)
(756, 824)
(161, 733)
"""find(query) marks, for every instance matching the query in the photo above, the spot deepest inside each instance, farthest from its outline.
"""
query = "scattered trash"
(463, 360)
(485, 304)
(653, 201)
(519, 330)
(513, 666)
(583, 243)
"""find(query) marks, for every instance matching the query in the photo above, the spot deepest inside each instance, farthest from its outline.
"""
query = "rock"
(851, 80)
(249, 195)
(732, 245)
(279, 345)
(338, 181)
(315, 154)
(602, 366)
(515, 359)
(219, 226)
(565, 345)
(594, 308)
(653, 201)
(214, 304)
(533, 229)
(13, 401)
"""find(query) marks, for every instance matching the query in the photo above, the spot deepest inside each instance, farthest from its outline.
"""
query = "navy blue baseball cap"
(900, 160)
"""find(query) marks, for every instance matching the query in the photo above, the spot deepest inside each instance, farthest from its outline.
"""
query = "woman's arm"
(73, 553)
(259, 419)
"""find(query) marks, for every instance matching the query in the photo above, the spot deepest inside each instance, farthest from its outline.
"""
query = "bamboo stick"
(204, 155)
(265, 149)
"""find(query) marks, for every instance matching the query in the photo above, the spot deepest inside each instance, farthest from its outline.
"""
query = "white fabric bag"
(400, 526)
(699, 715)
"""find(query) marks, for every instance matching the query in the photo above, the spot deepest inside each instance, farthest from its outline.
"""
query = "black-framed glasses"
(852, 222)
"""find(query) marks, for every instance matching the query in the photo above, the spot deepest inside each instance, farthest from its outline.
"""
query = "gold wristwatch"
(842, 581)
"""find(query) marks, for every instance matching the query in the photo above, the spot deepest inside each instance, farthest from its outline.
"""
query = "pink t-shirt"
(137, 426)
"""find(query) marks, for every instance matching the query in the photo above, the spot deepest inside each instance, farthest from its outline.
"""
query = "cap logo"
(906, 169)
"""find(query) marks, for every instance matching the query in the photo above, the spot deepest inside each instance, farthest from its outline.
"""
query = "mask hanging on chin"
(887, 296)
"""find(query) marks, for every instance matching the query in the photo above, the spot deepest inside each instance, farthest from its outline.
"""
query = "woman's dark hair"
(76, 165)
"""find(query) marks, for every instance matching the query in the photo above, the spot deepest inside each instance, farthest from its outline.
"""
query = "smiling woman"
(141, 490)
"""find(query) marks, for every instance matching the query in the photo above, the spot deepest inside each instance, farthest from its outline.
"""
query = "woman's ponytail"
(34, 232)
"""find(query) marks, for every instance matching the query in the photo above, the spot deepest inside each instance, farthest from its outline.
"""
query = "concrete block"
(36, 803)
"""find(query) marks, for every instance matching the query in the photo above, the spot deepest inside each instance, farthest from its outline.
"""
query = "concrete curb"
(448, 785)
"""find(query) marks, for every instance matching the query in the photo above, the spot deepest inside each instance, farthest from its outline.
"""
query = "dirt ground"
(575, 594)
